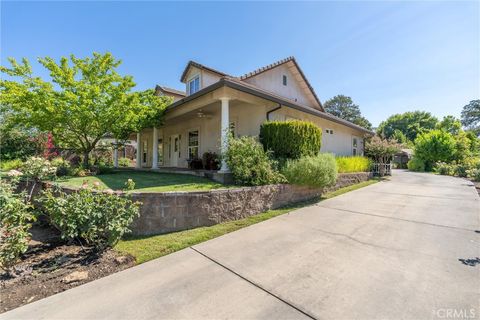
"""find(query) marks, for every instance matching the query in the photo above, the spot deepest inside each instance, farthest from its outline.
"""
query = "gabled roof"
(170, 90)
(200, 66)
(279, 63)
(235, 83)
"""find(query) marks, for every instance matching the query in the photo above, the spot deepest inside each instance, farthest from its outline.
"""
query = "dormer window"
(193, 85)
(284, 80)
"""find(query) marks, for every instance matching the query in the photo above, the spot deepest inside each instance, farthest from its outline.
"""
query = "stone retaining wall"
(163, 212)
(175, 211)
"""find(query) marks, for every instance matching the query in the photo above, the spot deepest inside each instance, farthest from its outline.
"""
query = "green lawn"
(145, 248)
(146, 181)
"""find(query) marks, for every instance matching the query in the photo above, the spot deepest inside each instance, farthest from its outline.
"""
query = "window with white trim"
(193, 144)
(330, 131)
(193, 85)
(354, 146)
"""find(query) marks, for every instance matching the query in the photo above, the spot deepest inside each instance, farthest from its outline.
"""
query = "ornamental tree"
(83, 101)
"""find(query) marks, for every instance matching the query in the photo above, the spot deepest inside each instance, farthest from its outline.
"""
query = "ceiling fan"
(202, 114)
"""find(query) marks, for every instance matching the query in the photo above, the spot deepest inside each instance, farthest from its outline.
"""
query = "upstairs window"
(330, 131)
(284, 80)
(194, 85)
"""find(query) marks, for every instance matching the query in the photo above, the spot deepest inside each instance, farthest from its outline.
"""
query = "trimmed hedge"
(291, 139)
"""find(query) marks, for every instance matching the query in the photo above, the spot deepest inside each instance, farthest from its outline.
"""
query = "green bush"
(444, 169)
(124, 162)
(474, 174)
(460, 169)
(291, 139)
(249, 163)
(38, 168)
(7, 165)
(62, 165)
(433, 146)
(416, 164)
(15, 223)
(99, 218)
(315, 171)
(353, 164)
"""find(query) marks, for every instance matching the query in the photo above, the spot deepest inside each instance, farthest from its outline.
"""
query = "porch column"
(224, 131)
(155, 149)
(115, 154)
(138, 165)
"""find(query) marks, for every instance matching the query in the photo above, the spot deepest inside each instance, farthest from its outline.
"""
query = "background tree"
(85, 100)
(343, 107)
(450, 124)
(471, 116)
(409, 123)
(435, 145)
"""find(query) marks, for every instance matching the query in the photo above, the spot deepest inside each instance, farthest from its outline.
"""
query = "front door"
(175, 150)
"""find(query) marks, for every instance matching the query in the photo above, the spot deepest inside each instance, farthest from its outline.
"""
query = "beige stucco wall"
(206, 78)
(272, 80)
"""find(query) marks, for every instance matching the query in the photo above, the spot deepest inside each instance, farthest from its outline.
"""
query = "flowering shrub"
(129, 185)
(38, 169)
(124, 162)
(15, 221)
(474, 174)
(444, 168)
(98, 218)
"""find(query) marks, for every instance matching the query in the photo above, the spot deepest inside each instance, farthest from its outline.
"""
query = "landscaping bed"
(50, 266)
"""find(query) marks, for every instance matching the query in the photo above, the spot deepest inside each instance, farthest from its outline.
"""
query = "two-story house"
(214, 102)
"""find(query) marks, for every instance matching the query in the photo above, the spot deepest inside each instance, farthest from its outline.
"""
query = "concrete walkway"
(403, 249)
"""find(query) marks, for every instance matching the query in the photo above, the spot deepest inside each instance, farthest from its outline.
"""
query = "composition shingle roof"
(171, 90)
(200, 66)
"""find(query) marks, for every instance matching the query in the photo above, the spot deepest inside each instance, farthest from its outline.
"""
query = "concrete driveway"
(402, 249)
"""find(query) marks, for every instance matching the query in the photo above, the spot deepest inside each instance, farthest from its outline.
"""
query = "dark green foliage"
(291, 139)
(409, 123)
(249, 163)
(471, 116)
(314, 171)
(19, 143)
(343, 107)
(416, 164)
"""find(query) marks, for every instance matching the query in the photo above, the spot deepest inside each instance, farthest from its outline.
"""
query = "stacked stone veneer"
(174, 211)
(163, 212)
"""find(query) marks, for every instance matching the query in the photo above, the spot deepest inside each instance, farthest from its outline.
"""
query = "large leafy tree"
(410, 124)
(435, 145)
(471, 116)
(343, 107)
(84, 100)
(450, 124)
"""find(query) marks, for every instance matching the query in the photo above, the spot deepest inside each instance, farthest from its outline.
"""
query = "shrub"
(62, 165)
(474, 174)
(129, 185)
(444, 168)
(416, 164)
(38, 169)
(15, 223)
(460, 169)
(99, 218)
(291, 139)
(433, 146)
(7, 165)
(315, 171)
(353, 164)
(381, 150)
(124, 162)
(250, 163)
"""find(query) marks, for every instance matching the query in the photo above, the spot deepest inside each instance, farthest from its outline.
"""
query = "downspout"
(273, 110)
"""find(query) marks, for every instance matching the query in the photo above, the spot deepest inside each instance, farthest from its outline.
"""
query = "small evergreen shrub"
(15, 223)
(211, 161)
(416, 164)
(124, 162)
(353, 164)
(99, 218)
(249, 163)
(291, 139)
(62, 165)
(315, 171)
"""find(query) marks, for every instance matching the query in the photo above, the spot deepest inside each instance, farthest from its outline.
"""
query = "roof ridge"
(201, 66)
(267, 67)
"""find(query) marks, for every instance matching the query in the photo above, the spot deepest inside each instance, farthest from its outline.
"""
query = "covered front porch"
(197, 127)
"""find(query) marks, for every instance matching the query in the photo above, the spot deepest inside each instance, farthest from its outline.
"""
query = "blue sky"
(390, 57)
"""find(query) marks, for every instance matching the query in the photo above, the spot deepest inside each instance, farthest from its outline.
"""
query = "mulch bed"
(50, 266)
